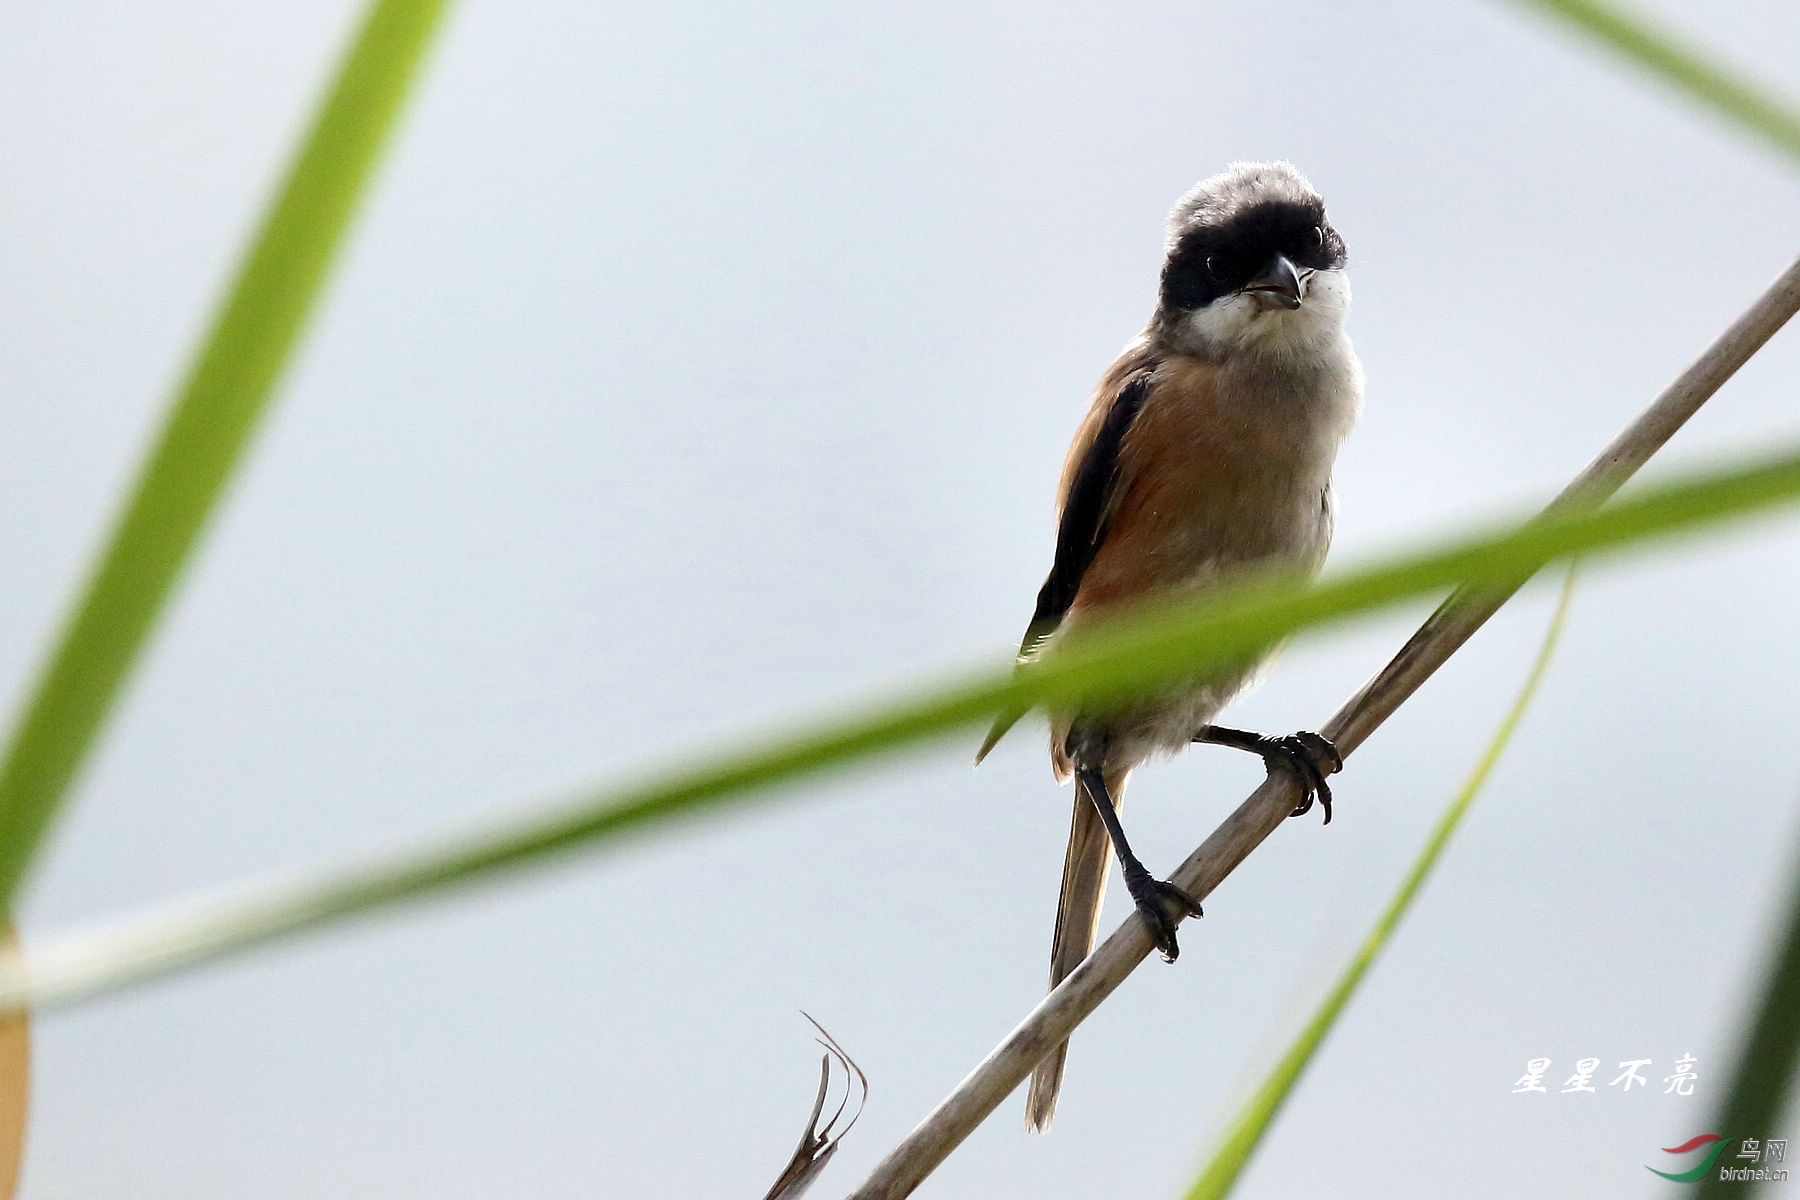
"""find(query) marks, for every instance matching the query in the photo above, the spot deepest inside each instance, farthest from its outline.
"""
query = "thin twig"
(1056, 1017)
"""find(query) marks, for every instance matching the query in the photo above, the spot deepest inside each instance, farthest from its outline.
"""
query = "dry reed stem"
(15, 1085)
(1056, 1017)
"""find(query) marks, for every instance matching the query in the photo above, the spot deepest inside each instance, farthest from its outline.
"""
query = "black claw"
(1154, 898)
(1315, 784)
(1311, 757)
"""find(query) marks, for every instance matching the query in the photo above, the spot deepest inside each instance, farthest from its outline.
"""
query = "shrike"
(1206, 454)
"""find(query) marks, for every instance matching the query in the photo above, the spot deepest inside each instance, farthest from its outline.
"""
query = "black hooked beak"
(1278, 286)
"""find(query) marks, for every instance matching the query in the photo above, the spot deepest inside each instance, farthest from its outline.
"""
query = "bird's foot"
(1311, 757)
(1155, 898)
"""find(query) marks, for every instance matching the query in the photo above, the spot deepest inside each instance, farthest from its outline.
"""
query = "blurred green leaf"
(204, 435)
(1726, 91)
(1258, 1113)
(1756, 1099)
(1153, 645)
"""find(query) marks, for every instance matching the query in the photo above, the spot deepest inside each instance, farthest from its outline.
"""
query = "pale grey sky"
(694, 365)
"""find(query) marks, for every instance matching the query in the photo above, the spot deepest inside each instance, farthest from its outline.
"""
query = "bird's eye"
(1215, 266)
(1318, 236)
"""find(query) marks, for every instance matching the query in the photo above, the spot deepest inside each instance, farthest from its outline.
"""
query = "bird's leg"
(1154, 897)
(1307, 755)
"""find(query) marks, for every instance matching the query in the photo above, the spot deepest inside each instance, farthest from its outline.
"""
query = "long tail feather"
(1077, 920)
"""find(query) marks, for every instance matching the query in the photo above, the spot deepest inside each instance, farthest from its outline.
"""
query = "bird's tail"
(1077, 919)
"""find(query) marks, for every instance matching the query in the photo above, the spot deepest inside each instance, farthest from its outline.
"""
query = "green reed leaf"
(1723, 89)
(1151, 647)
(209, 423)
(1258, 1113)
(1757, 1100)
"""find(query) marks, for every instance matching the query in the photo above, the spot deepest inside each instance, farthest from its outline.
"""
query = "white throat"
(1238, 324)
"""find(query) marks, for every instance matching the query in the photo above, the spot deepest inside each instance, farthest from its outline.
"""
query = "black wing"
(1085, 514)
(1086, 510)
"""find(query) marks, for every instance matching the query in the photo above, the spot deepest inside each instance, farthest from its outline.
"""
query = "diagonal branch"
(1056, 1017)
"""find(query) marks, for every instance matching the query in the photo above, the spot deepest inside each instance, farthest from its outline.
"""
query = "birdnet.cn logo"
(1749, 1164)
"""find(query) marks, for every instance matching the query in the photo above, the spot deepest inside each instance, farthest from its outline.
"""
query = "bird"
(1205, 456)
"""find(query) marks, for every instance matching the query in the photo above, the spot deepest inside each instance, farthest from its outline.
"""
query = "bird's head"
(1253, 265)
